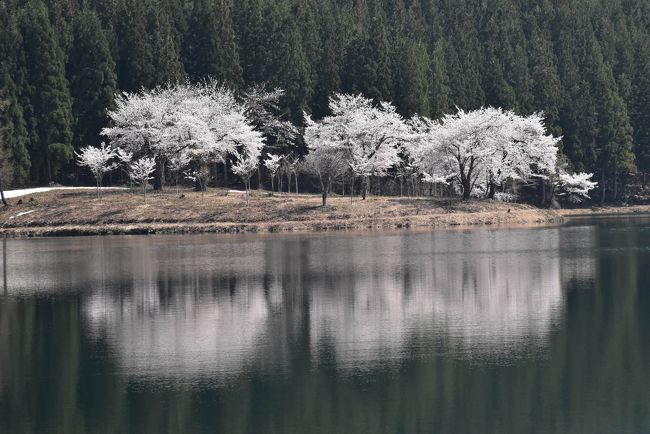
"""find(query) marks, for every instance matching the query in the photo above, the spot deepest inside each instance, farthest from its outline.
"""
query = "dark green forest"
(585, 63)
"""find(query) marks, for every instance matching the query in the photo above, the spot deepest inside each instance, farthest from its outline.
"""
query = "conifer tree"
(210, 48)
(368, 63)
(546, 81)
(439, 88)
(11, 117)
(640, 106)
(135, 67)
(252, 41)
(49, 118)
(91, 73)
(287, 67)
(614, 136)
(165, 55)
(328, 80)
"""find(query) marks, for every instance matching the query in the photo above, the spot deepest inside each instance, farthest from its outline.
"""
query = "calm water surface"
(485, 331)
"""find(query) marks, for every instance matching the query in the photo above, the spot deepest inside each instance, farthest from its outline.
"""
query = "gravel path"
(26, 191)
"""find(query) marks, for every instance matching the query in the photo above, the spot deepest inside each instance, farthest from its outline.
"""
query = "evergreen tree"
(439, 88)
(288, 67)
(91, 73)
(368, 63)
(11, 117)
(49, 113)
(546, 89)
(463, 57)
(165, 54)
(614, 138)
(252, 39)
(640, 105)
(210, 48)
(135, 64)
(412, 79)
(329, 71)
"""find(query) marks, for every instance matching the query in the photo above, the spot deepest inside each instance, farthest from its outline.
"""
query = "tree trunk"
(2, 195)
(159, 180)
(364, 192)
(295, 176)
(324, 195)
(467, 188)
(491, 191)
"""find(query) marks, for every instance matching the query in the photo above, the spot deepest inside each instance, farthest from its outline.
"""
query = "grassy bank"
(80, 213)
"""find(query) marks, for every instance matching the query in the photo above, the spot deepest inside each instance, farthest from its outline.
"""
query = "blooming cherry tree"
(369, 135)
(272, 163)
(483, 147)
(98, 160)
(575, 187)
(140, 171)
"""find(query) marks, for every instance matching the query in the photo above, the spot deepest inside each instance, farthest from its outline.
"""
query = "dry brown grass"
(605, 210)
(79, 212)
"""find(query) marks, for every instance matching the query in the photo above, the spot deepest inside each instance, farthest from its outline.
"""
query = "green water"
(484, 331)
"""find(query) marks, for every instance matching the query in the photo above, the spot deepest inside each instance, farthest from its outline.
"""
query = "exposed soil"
(121, 212)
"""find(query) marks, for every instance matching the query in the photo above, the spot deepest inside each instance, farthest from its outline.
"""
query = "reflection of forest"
(525, 330)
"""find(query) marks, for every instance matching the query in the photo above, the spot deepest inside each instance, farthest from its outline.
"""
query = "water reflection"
(177, 309)
(540, 330)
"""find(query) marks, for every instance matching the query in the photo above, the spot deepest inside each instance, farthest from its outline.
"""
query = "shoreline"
(76, 213)
(488, 219)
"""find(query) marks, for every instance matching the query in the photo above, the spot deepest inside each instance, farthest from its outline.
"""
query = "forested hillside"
(585, 63)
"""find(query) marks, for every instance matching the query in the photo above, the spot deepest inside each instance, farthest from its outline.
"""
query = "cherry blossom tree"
(325, 160)
(140, 171)
(247, 160)
(483, 147)
(98, 161)
(203, 123)
(369, 135)
(272, 163)
(575, 187)
(199, 176)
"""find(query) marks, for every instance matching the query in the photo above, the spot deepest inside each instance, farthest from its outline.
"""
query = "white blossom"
(98, 160)
(575, 187)
(140, 171)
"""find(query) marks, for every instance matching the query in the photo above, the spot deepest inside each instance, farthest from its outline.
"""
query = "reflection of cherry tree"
(487, 293)
(216, 337)
(176, 311)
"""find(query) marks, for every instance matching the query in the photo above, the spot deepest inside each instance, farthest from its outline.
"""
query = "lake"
(531, 330)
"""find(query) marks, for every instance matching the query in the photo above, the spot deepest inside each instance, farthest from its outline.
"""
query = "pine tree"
(546, 89)
(166, 61)
(463, 57)
(91, 73)
(49, 117)
(288, 67)
(210, 48)
(640, 105)
(252, 41)
(329, 71)
(412, 79)
(11, 117)
(439, 88)
(135, 64)
(368, 63)
(614, 138)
